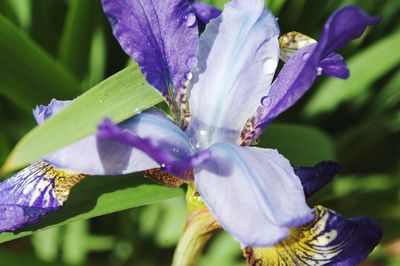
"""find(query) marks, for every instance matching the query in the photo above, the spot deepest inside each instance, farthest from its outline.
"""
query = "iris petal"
(43, 112)
(329, 240)
(104, 156)
(314, 178)
(253, 193)
(205, 12)
(299, 73)
(32, 193)
(237, 58)
(168, 146)
(162, 37)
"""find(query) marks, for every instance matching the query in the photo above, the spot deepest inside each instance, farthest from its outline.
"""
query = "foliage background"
(61, 48)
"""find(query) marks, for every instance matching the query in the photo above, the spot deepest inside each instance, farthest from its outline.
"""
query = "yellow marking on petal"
(291, 42)
(306, 245)
(64, 180)
(167, 179)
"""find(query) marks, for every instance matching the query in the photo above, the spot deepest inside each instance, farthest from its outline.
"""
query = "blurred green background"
(61, 48)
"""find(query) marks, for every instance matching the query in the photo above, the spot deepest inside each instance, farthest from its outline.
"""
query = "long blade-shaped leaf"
(28, 75)
(98, 196)
(76, 39)
(117, 97)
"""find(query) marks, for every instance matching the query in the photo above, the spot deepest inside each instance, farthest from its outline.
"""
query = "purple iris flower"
(221, 92)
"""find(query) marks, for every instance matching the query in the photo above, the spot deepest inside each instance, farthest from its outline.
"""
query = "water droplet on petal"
(205, 13)
(203, 133)
(190, 19)
(176, 150)
(163, 165)
(306, 56)
(266, 101)
(189, 76)
(319, 70)
(269, 66)
(191, 61)
(148, 43)
(137, 56)
(137, 110)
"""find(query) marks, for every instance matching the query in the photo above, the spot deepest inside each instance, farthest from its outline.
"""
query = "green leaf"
(77, 35)
(217, 3)
(364, 71)
(118, 97)
(28, 75)
(47, 21)
(97, 196)
(302, 145)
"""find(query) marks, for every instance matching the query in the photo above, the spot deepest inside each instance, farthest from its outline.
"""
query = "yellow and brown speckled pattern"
(167, 179)
(291, 42)
(64, 180)
(310, 244)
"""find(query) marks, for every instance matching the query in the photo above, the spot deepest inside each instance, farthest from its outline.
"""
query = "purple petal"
(32, 193)
(42, 112)
(329, 240)
(162, 37)
(299, 73)
(334, 66)
(99, 156)
(314, 178)
(252, 192)
(343, 26)
(205, 12)
(169, 147)
(237, 57)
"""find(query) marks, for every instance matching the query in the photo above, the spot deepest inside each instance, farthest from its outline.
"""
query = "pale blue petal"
(253, 193)
(97, 156)
(42, 112)
(237, 58)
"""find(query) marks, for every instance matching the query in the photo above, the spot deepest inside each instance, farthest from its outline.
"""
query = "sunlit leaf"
(97, 196)
(118, 97)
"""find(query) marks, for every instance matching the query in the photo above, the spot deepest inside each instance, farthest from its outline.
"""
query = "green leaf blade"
(28, 75)
(118, 97)
(97, 196)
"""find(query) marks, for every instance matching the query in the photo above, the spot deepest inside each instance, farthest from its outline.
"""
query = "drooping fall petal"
(32, 193)
(328, 240)
(252, 192)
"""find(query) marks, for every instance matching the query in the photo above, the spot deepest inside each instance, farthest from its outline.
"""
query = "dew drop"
(306, 56)
(190, 19)
(203, 133)
(205, 13)
(269, 66)
(176, 150)
(163, 165)
(137, 110)
(266, 101)
(189, 75)
(319, 70)
(137, 56)
(191, 61)
(101, 101)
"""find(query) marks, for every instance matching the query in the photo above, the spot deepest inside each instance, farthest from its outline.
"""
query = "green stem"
(200, 226)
